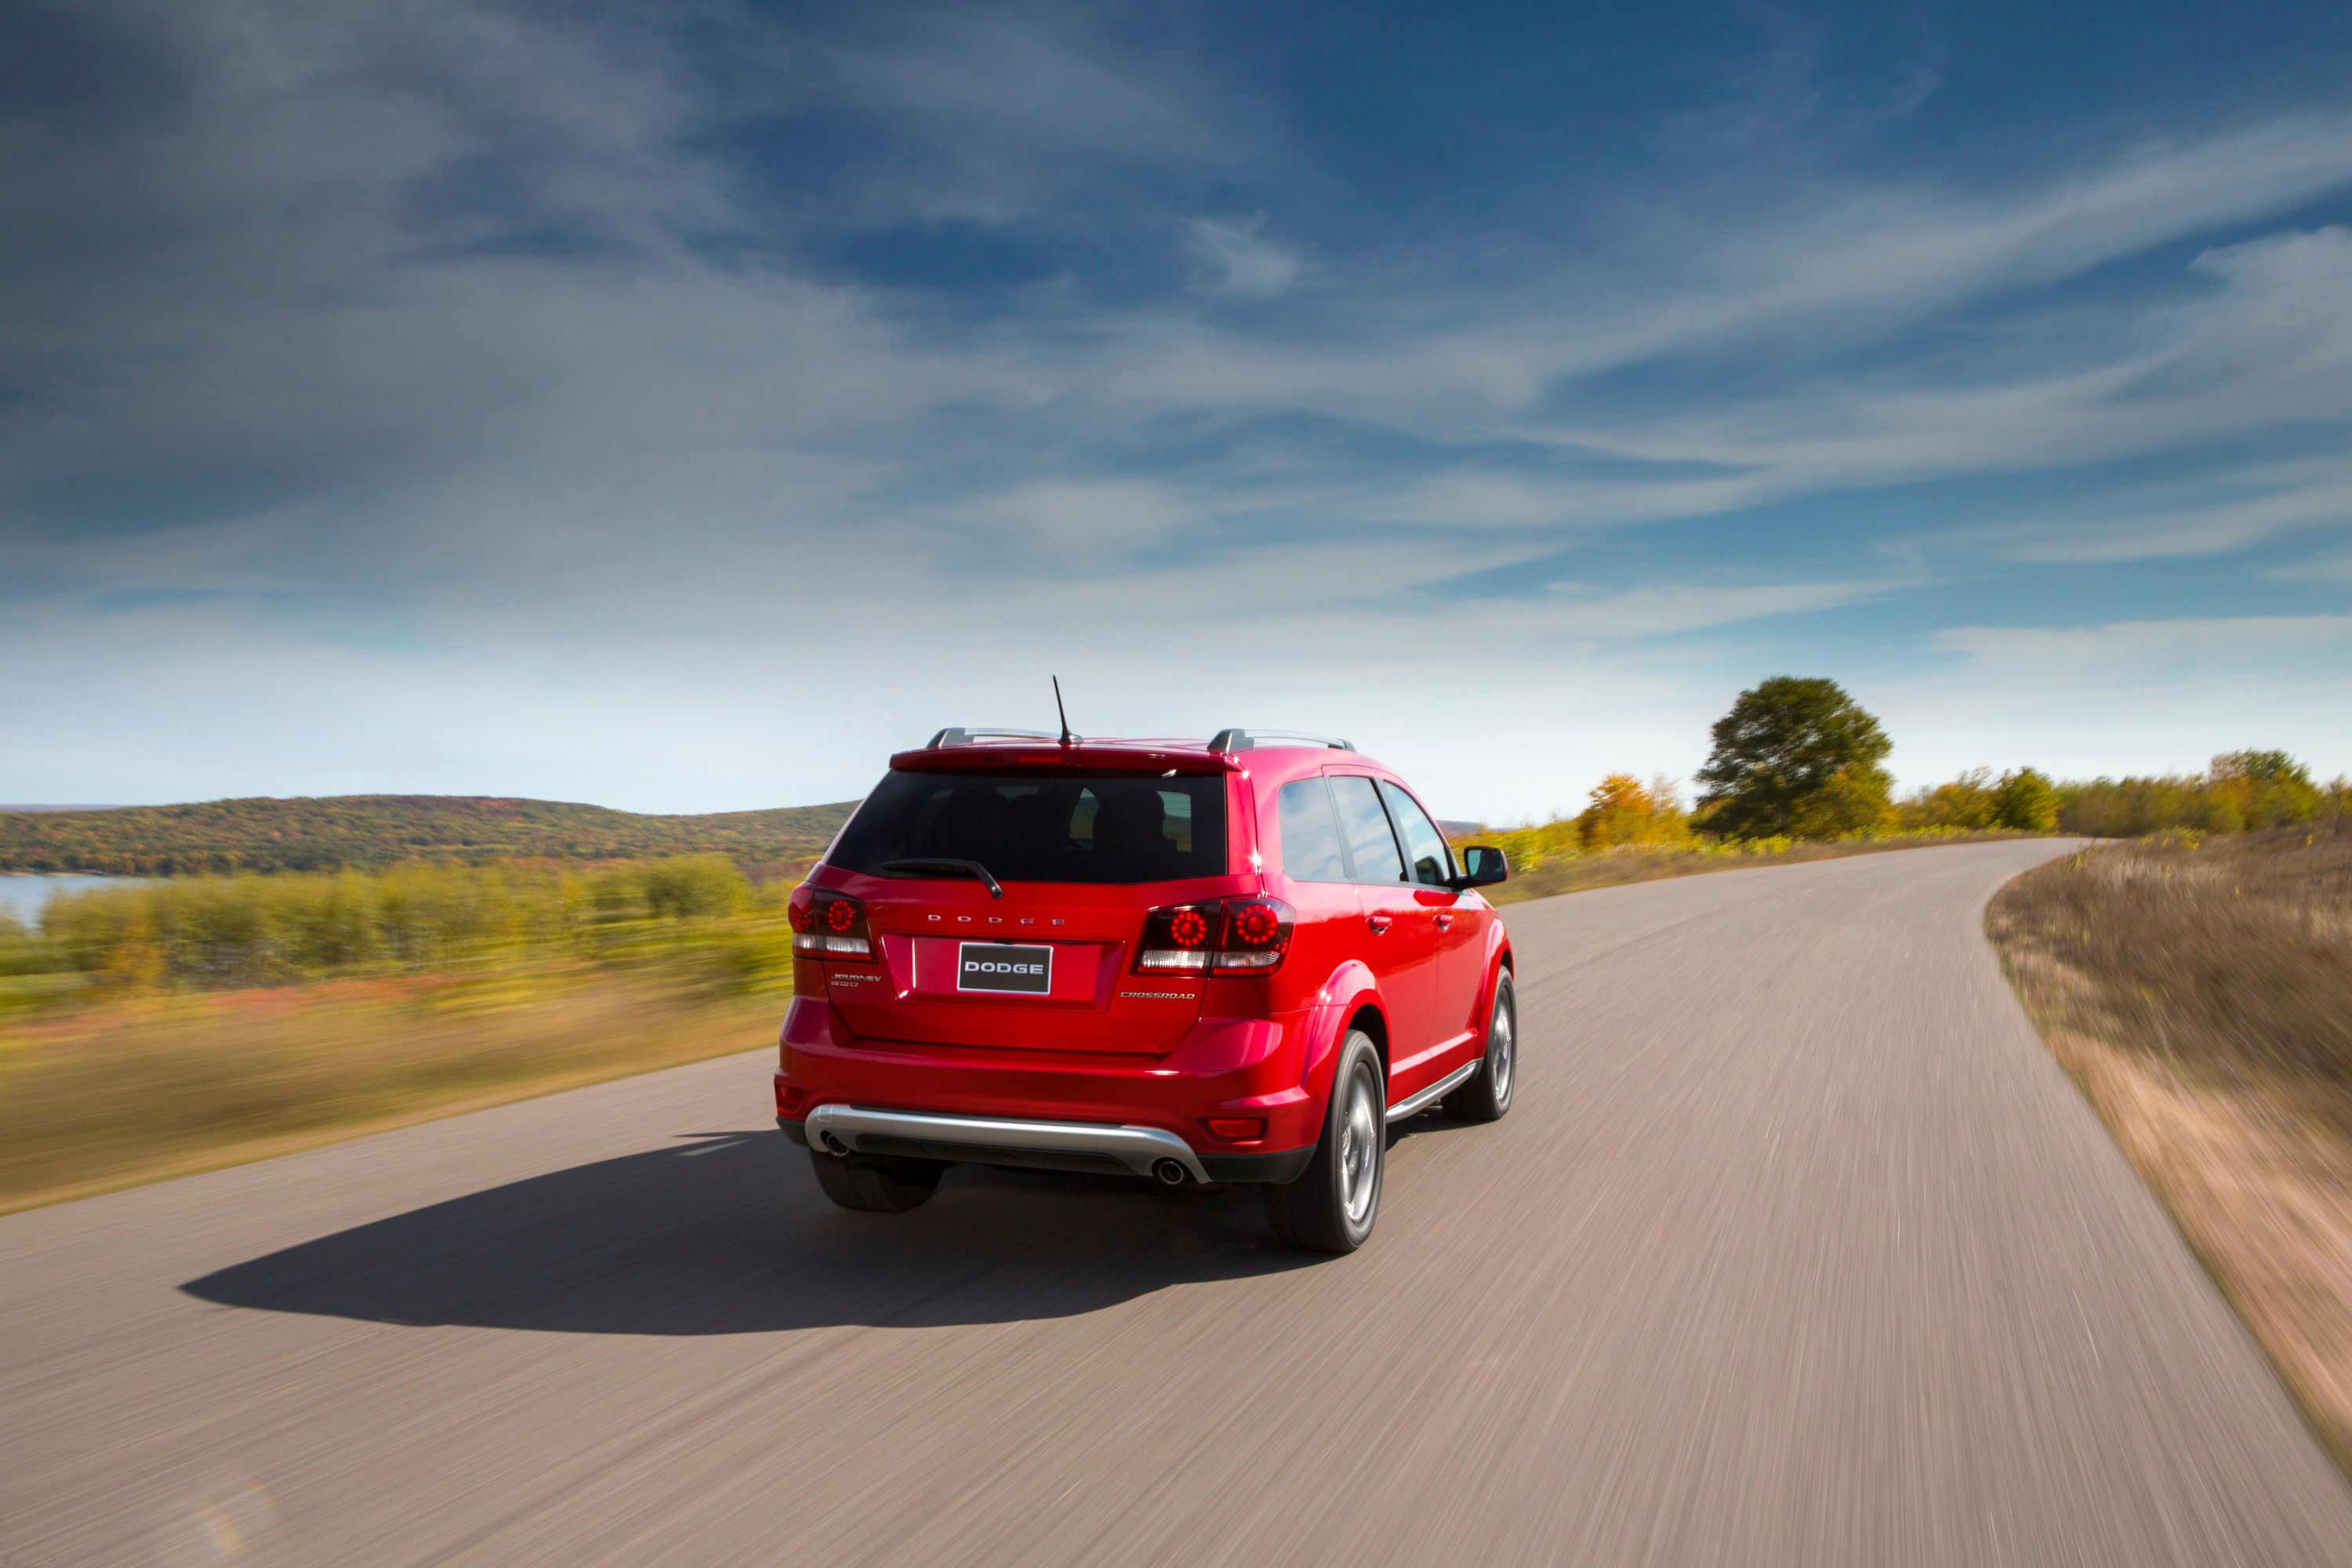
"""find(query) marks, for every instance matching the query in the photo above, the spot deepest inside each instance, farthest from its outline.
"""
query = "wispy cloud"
(1667, 610)
(2060, 648)
(1234, 257)
(2273, 500)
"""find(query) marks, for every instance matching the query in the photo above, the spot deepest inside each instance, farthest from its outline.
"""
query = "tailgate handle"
(1444, 920)
(1378, 923)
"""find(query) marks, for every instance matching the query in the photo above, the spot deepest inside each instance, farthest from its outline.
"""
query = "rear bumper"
(1106, 1113)
(1032, 1145)
(988, 1140)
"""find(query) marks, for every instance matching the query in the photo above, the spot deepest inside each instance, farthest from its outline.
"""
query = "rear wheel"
(1331, 1208)
(1487, 1094)
(876, 1186)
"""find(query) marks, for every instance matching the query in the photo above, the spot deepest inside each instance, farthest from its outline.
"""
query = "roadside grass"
(155, 1029)
(2200, 993)
(1541, 868)
(121, 1092)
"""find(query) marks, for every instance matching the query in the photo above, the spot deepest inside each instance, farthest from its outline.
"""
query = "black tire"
(876, 1186)
(1487, 1093)
(1332, 1207)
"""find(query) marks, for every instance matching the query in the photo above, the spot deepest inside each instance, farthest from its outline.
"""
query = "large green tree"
(1798, 757)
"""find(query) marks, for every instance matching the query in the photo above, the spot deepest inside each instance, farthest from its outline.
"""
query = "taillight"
(1257, 933)
(1227, 936)
(827, 924)
(1177, 938)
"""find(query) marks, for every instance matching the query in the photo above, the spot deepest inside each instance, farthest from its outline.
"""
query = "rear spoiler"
(1054, 758)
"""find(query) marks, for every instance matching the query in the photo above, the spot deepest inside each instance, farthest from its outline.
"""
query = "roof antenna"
(1063, 713)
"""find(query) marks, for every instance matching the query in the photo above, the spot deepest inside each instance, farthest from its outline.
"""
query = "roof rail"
(962, 737)
(1249, 740)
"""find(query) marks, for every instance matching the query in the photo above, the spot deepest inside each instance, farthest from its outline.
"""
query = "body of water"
(25, 895)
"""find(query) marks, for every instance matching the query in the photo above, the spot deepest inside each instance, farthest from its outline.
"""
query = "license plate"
(1021, 970)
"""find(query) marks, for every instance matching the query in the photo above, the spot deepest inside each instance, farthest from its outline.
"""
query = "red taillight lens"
(827, 924)
(1176, 939)
(1230, 936)
(1238, 1129)
(1257, 936)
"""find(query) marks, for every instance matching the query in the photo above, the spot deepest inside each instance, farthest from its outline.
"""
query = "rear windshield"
(1102, 827)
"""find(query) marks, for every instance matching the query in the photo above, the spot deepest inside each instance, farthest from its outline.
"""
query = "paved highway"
(1796, 1249)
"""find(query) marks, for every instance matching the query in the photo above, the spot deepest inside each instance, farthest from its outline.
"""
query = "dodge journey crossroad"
(1236, 960)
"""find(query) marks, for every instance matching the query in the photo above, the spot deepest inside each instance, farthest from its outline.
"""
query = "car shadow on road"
(727, 1234)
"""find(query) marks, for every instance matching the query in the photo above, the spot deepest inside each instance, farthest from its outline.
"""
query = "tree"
(2264, 789)
(1798, 757)
(1967, 803)
(1623, 810)
(2026, 800)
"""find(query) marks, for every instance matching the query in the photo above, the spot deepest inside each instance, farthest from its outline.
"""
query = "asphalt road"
(1797, 1248)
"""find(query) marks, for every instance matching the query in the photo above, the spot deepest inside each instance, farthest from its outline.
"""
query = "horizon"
(686, 411)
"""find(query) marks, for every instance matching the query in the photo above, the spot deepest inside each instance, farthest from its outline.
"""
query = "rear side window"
(1423, 845)
(1099, 828)
(1371, 846)
(1310, 832)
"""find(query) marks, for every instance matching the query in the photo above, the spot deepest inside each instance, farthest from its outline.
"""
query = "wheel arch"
(1354, 1002)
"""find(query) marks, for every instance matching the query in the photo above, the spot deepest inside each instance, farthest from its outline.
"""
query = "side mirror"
(1483, 866)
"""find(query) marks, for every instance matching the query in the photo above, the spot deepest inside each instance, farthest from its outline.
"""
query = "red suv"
(1197, 962)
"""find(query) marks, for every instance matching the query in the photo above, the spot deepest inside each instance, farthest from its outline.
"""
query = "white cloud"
(1233, 259)
(2286, 499)
(1667, 610)
(2056, 650)
(2332, 568)
(1086, 522)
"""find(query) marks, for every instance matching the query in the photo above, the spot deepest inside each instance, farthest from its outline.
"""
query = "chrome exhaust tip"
(1169, 1172)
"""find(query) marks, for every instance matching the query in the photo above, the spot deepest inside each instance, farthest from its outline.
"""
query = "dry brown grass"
(2202, 995)
(114, 1095)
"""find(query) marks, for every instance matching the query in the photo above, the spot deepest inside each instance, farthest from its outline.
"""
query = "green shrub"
(1623, 810)
(1966, 804)
(246, 930)
(2242, 790)
(2025, 802)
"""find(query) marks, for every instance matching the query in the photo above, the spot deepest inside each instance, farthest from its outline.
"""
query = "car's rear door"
(1460, 919)
(1307, 865)
(1400, 936)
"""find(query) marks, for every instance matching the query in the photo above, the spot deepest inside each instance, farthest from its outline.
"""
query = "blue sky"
(682, 405)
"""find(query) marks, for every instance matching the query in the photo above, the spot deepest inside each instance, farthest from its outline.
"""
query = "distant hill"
(323, 833)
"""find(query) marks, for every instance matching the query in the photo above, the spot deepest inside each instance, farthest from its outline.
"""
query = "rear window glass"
(1310, 834)
(1111, 828)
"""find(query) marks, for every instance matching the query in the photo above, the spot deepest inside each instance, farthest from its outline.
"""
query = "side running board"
(1444, 1086)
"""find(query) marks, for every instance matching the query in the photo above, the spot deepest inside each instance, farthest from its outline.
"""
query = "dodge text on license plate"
(1024, 970)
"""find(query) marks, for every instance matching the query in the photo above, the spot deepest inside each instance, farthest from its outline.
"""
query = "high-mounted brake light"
(1226, 936)
(827, 924)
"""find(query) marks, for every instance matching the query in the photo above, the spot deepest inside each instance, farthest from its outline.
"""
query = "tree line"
(329, 833)
(1797, 758)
